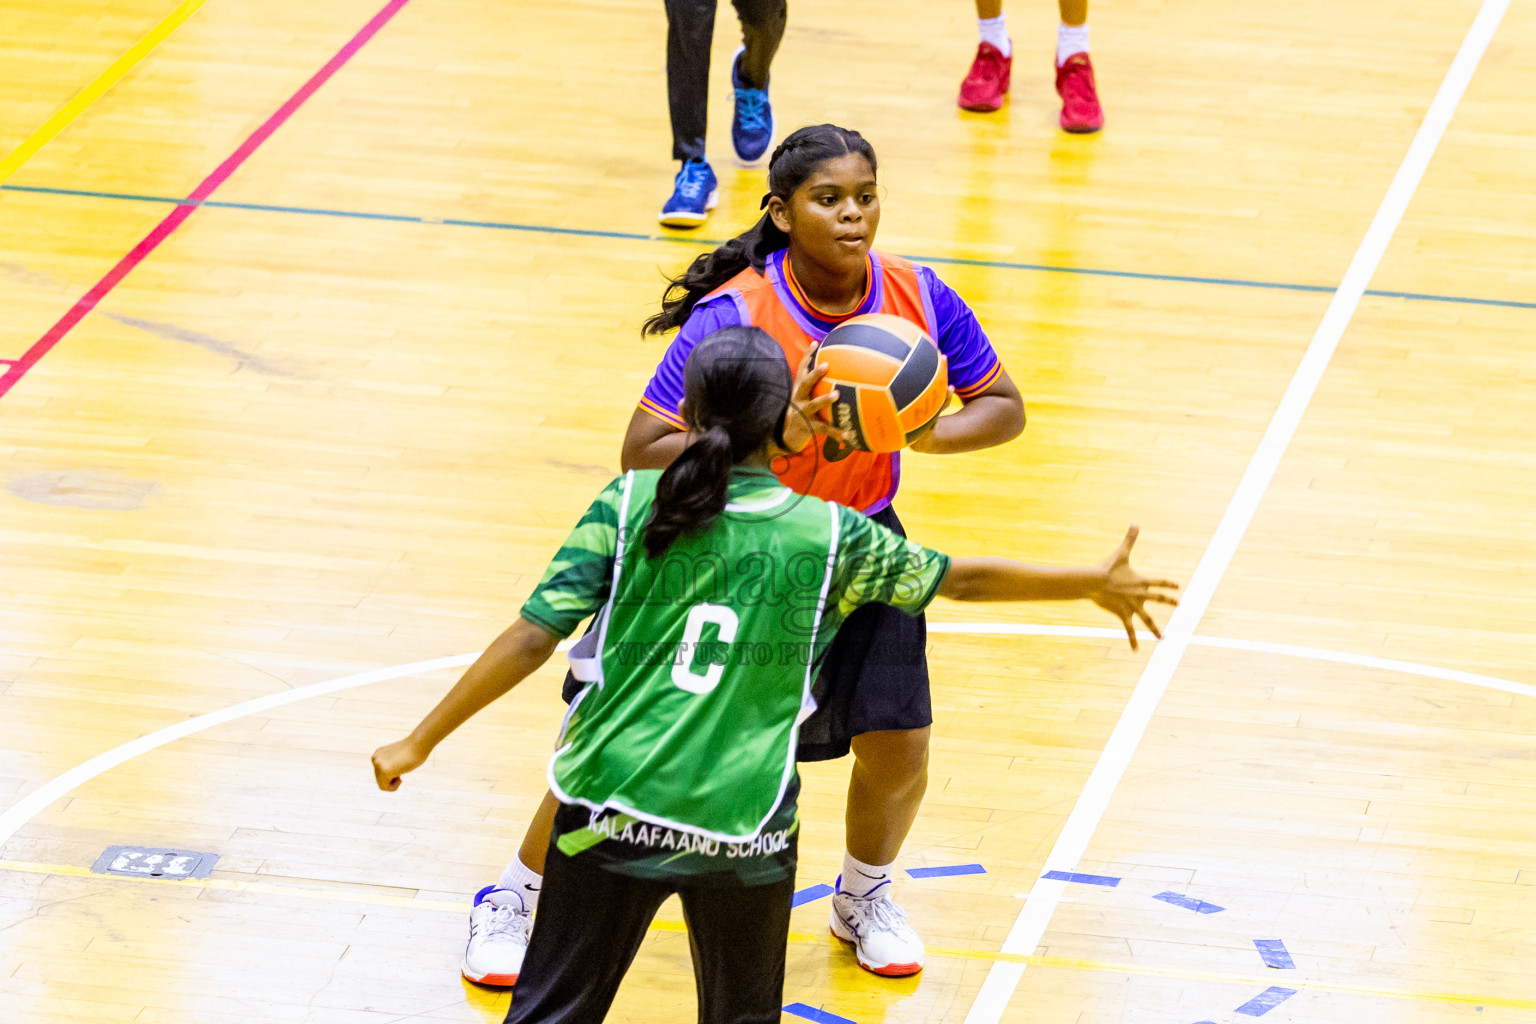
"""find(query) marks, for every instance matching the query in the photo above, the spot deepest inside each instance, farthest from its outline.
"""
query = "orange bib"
(866, 481)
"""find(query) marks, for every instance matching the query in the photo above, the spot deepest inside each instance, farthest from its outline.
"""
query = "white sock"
(1070, 39)
(522, 880)
(995, 31)
(860, 879)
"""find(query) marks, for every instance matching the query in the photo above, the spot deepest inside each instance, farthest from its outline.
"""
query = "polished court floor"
(336, 418)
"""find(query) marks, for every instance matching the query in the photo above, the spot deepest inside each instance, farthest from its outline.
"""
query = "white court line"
(1411, 668)
(1076, 832)
(33, 803)
(25, 809)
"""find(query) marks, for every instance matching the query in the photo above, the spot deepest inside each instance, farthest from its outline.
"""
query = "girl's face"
(831, 219)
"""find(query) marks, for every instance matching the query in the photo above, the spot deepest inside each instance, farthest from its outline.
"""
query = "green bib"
(698, 669)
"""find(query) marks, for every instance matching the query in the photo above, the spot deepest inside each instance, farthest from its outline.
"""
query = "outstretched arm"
(514, 656)
(1112, 585)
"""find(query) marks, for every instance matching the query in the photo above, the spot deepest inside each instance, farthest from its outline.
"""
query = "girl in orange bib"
(805, 267)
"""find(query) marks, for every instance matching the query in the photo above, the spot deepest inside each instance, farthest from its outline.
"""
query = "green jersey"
(699, 664)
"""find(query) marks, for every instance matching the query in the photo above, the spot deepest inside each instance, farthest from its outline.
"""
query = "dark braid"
(737, 383)
(794, 161)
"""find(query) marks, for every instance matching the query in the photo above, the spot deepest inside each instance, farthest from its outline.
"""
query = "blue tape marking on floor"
(1274, 953)
(154, 862)
(1135, 275)
(810, 895)
(1189, 903)
(953, 869)
(1073, 876)
(819, 1016)
(1265, 1001)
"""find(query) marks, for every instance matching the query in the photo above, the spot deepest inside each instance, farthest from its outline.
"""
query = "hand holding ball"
(891, 379)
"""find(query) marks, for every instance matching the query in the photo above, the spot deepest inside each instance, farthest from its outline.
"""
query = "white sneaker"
(499, 926)
(883, 942)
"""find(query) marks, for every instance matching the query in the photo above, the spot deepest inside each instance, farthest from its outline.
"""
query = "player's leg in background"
(690, 27)
(591, 927)
(738, 936)
(502, 917)
(885, 790)
(1080, 109)
(986, 83)
(762, 29)
(890, 776)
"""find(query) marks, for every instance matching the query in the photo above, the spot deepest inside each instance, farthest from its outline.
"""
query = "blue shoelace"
(693, 179)
(752, 109)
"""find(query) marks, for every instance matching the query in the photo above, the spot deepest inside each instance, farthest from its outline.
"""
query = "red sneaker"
(986, 83)
(1080, 110)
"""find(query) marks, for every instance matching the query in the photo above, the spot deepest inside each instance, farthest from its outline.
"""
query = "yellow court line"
(93, 92)
(1059, 962)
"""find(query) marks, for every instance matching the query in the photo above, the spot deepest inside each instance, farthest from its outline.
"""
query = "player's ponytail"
(737, 385)
(792, 163)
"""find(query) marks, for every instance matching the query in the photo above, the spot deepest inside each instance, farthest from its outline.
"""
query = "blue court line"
(1073, 876)
(634, 236)
(819, 1016)
(953, 869)
(810, 894)
(399, 218)
(1275, 955)
(1189, 903)
(1265, 1001)
(1232, 282)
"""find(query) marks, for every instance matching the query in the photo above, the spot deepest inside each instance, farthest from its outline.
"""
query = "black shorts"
(873, 678)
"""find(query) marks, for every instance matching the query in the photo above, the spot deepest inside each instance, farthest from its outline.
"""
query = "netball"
(890, 378)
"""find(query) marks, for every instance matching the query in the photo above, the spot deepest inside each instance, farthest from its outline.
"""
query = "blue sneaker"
(752, 126)
(694, 194)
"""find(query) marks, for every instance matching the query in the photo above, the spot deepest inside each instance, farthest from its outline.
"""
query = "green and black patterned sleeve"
(578, 578)
(877, 565)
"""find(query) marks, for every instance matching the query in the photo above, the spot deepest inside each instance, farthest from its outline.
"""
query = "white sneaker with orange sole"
(883, 942)
(499, 926)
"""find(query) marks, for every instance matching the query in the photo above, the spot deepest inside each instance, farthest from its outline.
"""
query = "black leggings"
(591, 923)
(690, 26)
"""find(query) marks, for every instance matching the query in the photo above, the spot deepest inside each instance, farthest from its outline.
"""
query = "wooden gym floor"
(336, 422)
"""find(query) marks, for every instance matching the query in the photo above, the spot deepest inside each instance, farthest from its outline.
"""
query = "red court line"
(87, 302)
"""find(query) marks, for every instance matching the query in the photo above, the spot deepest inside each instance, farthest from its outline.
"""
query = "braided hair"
(796, 159)
(737, 384)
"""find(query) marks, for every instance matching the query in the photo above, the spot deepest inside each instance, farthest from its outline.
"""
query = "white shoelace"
(508, 922)
(880, 913)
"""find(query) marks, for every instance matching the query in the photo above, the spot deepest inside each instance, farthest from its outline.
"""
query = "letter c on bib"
(693, 633)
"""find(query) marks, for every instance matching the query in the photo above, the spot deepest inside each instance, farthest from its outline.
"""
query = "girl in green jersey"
(715, 591)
